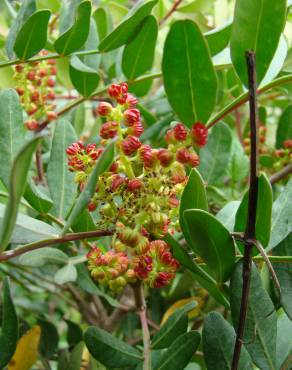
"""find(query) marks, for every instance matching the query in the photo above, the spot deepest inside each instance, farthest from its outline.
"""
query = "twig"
(252, 207)
(141, 308)
(39, 165)
(238, 125)
(172, 10)
(281, 174)
(59, 240)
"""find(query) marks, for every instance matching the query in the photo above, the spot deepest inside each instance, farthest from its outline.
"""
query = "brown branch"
(287, 170)
(39, 166)
(47, 242)
(172, 10)
(252, 206)
(238, 125)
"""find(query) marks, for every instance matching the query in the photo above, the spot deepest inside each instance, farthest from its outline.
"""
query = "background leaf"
(49, 338)
(60, 179)
(284, 342)
(218, 344)
(75, 37)
(32, 36)
(253, 21)
(189, 78)
(38, 197)
(284, 129)
(109, 350)
(261, 319)
(11, 131)
(41, 257)
(18, 178)
(218, 38)
(122, 34)
(211, 241)
(139, 52)
(66, 274)
(9, 331)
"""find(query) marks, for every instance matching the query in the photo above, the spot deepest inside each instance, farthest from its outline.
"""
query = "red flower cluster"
(36, 81)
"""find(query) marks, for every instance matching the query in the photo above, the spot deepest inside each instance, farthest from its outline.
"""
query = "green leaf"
(17, 186)
(284, 273)
(261, 319)
(75, 361)
(49, 338)
(138, 54)
(103, 163)
(32, 36)
(284, 129)
(227, 214)
(218, 38)
(74, 333)
(284, 342)
(28, 230)
(60, 179)
(11, 131)
(52, 5)
(84, 79)
(75, 37)
(189, 77)
(212, 242)
(100, 18)
(215, 156)
(281, 216)
(66, 274)
(27, 8)
(200, 275)
(41, 257)
(38, 197)
(127, 29)
(264, 212)
(253, 21)
(180, 352)
(109, 350)
(193, 196)
(9, 332)
(85, 283)
(91, 60)
(218, 344)
(239, 163)
(173, 327)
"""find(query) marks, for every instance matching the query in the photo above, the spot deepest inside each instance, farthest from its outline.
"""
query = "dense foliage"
(141, 202)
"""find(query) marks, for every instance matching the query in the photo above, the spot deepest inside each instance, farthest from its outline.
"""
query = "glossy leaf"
(284, 342)
(200, 275)
(92, 60)
(218, 38)
(218, 344)
(261, 322)
(253, 21)
(138, 54)
(212, 242)
(38, 197)
(239, 163)
(9, 330)
(60, 179)
(264, 212)
(284, 273)
(109, 350)
(281, 216)
(103, 163)
(74, 333)
(181, 303)
(20, 168)
(66, 274)
(27, 8)
(32, 36)
(28, 229)
(284, 129)
(227, 214)
(75, 37)
(49, 338)
(84, 79)
(43, 256)
(215, 156)
(11, 131)
(75, 361)
(193, 196)
(180, 352)
(189, 77)
(26, 353)
(100, 18)
(173, 327)
(127, 29)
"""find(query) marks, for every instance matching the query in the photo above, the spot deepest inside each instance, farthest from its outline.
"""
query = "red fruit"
(35, 96)
(51, 95)
(165, 157)
(50, 82)
(42, 72)
(118, 92)
(194, 160)
(117, 181)
(199, 134)
(104, 108)
(131, 101)
(31, 109)
(51, 116)
(19, 68)
(130, 145)
(131, 116)
(51, 62)
(91, 207)
(20, 90)
(183, 155)
(134, 184)
(169, 137)
(287, 144)
(137, 129)
(53, 71)
(180, 132)
(31, 75)
(108, 130)
(147, 156)
(31, 124)
(114, 167)
(162, 279)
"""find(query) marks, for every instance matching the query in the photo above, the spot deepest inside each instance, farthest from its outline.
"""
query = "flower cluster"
(35, 86)
(139, 195)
